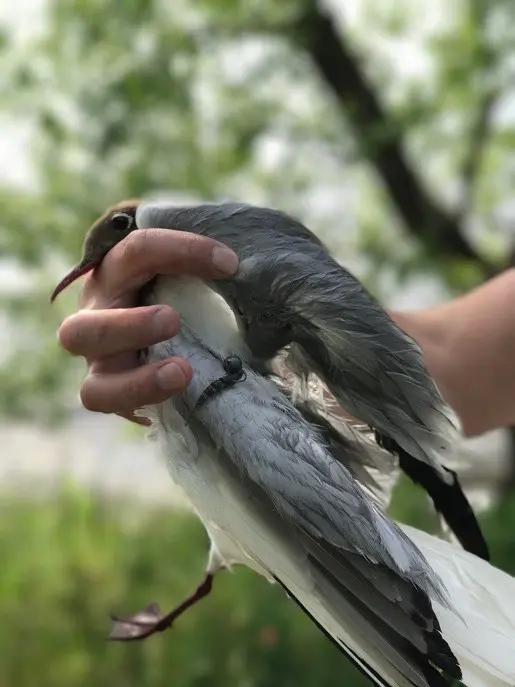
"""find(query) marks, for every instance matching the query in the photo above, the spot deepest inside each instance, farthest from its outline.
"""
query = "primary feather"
(485, 598)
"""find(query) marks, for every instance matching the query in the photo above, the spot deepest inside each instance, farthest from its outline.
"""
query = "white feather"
(205, 311)
(485, 597)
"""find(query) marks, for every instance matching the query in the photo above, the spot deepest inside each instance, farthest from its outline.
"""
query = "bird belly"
(230, 517)
(227, 513)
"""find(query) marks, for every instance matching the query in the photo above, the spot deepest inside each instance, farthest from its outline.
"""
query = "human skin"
(108, 331)
(469, 349)
(468, 343)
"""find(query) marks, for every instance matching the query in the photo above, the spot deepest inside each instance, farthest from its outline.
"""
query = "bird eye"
(122, 221)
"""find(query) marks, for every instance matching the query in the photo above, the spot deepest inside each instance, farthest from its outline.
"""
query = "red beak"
(72, 275)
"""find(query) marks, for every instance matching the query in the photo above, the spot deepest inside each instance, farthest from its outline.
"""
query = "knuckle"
(84, 334)
(87, 396)
(69, 333)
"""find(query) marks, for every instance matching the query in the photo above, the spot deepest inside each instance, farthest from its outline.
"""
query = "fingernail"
(225, 260)
(171, 377)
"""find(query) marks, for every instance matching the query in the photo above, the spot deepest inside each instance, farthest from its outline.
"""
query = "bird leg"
(234, 373)
(150, 620)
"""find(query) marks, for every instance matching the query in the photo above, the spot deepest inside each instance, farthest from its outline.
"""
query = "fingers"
(123, 392)
(137, 419)
(108, 332)
(147, 252)
(97, 334)
(109, 339)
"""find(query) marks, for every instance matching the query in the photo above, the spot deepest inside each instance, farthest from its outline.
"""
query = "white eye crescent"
(122, 221)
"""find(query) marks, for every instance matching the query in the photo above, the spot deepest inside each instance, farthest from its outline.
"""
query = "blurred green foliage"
(220, 98)
(67, 564)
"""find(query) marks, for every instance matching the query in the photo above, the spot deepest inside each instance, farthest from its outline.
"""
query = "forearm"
(469, 348)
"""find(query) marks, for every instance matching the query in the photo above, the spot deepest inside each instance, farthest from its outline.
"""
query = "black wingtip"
(369, 673)
(449, 499)
(439, 652)
(440, 668)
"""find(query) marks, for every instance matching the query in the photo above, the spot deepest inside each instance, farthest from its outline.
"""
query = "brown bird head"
(109, 229)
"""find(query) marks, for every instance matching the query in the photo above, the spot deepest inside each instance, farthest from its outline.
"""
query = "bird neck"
(204, 311)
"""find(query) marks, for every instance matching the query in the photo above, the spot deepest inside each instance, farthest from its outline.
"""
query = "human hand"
(108, 331)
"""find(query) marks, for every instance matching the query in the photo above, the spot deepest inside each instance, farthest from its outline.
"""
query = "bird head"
(115, 224)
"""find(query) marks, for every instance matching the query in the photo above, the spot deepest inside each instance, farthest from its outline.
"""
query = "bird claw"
(140, 625)
(151, 620)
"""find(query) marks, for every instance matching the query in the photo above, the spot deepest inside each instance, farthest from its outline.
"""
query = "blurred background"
(387, 127)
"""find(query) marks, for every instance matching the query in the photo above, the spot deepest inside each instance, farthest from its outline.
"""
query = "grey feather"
(373, 468)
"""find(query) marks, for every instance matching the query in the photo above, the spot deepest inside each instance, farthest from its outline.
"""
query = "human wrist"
(432, 330)
(468, 345)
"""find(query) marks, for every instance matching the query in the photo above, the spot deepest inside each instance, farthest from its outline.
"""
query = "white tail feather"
(358, 647)
(484, 596)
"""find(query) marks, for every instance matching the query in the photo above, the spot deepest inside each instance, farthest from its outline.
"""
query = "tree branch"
(380, 139)
(481, 124)
(472, 162)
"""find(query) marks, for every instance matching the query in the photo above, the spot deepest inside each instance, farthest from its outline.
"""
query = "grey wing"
(376, 465)
(375, 371)
(318, 493)
(365, 571)
(373, 468)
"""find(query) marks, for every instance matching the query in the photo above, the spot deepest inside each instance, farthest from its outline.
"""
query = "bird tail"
(479, 630)
(360, 652)
(383, 657)
(483, 638)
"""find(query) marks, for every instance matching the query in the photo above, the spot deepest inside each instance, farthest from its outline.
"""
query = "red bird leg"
(149, 621)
